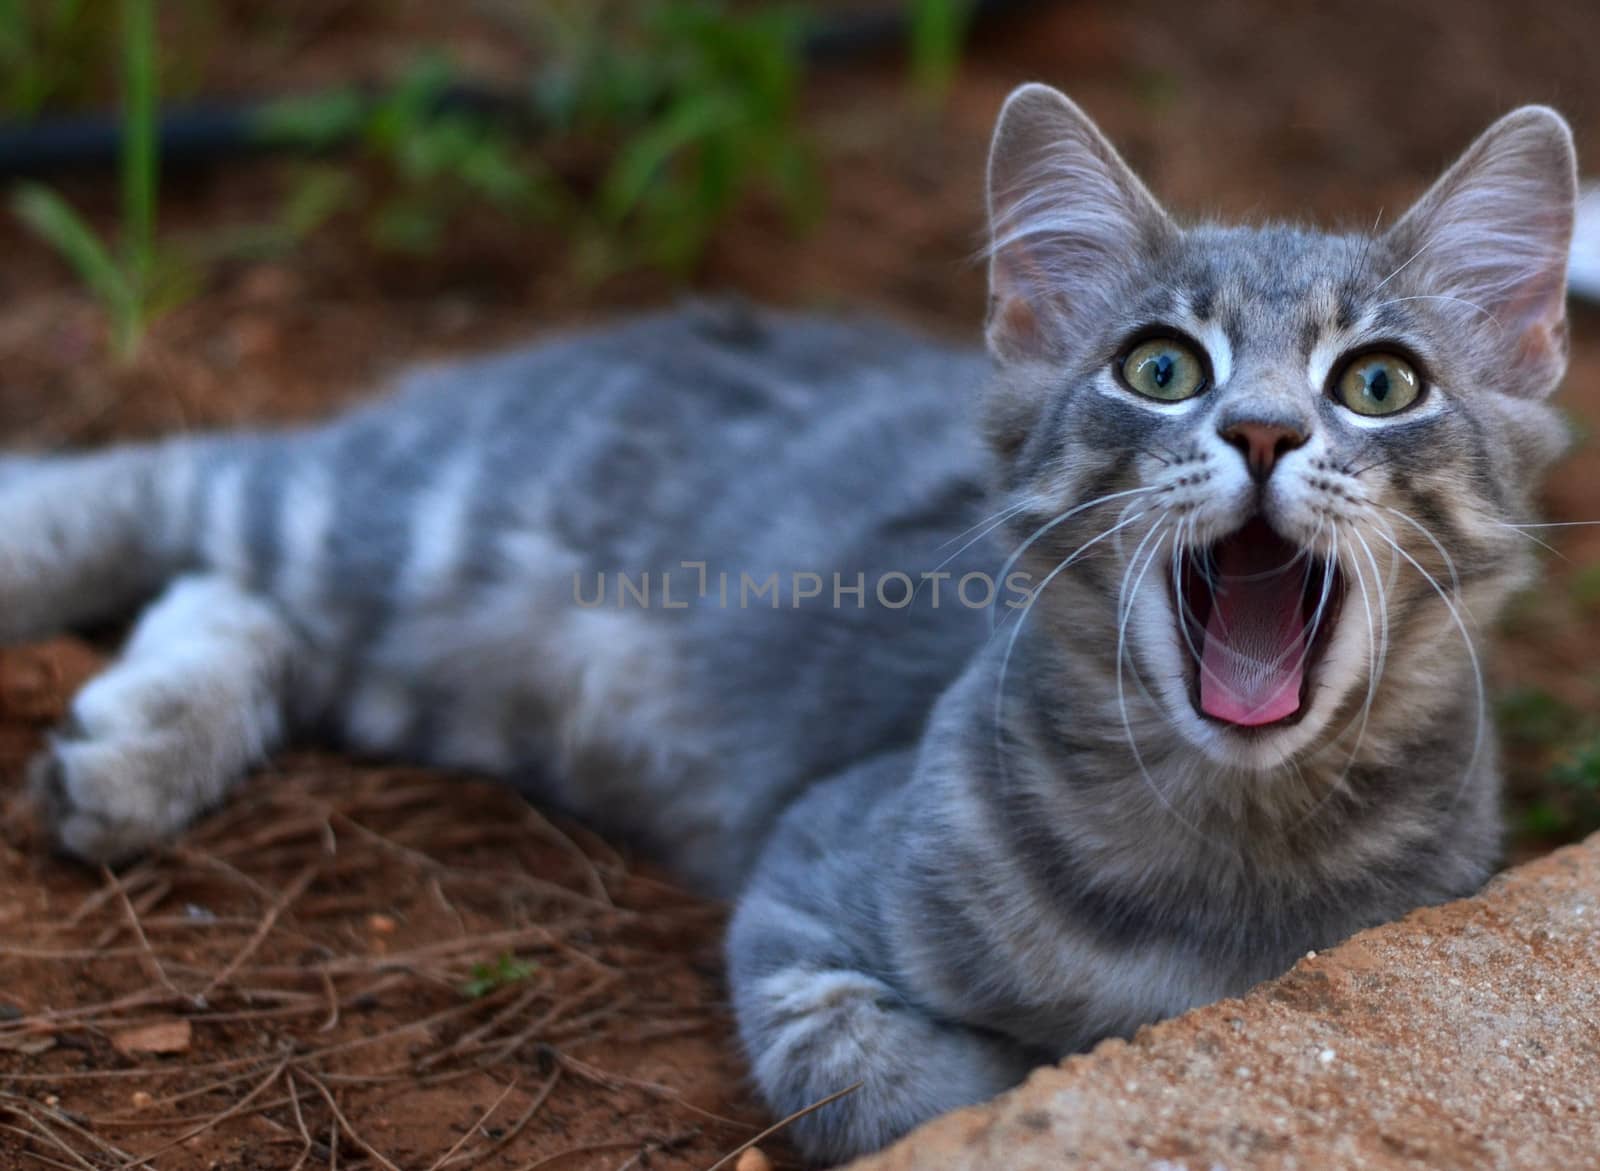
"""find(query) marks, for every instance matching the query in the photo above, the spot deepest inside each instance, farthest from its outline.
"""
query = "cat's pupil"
(1163, 373)
(1378, 385)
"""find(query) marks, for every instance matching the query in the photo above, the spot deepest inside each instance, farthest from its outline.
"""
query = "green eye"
(1163, 369)
(1378, 384)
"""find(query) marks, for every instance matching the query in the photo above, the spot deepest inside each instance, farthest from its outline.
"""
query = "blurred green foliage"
(133, 279)
(651, 119)
(1565, 743)
(60, 55)
(645, 124)
(1586, 587)
(694, 104)
(494, 975)
(938, 31)
(48, 50)
(429, 164)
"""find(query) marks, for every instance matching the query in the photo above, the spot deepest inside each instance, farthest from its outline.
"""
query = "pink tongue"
(1253, 661)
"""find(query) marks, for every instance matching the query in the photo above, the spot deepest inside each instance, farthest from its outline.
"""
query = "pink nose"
(1263, 444)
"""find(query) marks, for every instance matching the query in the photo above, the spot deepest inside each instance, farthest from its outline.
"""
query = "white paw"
(137, 762)
(108, 802)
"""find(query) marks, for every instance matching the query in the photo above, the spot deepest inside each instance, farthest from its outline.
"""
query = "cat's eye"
(1378, 384)
(1164, 369)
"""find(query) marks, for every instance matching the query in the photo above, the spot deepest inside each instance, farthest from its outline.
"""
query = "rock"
(753, 1160)
(1466, 1035)
(161, 1038)
(27, 1044)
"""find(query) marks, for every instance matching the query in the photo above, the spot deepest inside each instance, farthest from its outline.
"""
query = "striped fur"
(965, 839)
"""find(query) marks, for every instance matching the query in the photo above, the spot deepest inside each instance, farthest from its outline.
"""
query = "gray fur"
(964, 840)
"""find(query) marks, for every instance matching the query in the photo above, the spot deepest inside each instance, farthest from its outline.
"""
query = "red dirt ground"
(315, 934)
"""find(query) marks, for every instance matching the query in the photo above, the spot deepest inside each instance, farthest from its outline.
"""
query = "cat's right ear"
(1066, 215)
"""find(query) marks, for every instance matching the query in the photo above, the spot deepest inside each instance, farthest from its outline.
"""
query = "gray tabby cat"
(1197, 690)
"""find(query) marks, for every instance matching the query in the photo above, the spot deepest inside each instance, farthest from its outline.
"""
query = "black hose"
(857, 34)
(205, 133)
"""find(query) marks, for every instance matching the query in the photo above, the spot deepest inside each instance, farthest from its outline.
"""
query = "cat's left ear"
(1494, 234)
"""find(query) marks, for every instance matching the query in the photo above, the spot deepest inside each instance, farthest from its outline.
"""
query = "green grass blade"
(938, 28)
(641, 161)
(140, 162)
(316, 123)
(13, 30)
(51, 218)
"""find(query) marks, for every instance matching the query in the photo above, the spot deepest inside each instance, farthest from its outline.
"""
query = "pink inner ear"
(1542, 344)
(1014, 329)
(1533, 315)
(1539, 304)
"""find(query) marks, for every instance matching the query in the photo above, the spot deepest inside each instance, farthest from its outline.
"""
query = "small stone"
(161, 1038)
(270, 283)
(380, 924)
(255, 337)
(142, 1100)
(28, 1044)
(52, 1100)
(1326, 1057)
(753, 1160)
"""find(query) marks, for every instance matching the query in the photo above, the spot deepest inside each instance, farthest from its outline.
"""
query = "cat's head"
(1308, 449)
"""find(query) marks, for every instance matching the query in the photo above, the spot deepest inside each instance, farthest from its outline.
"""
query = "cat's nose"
(1262, 444)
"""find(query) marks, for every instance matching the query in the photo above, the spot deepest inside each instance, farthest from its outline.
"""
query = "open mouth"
(1256, 614)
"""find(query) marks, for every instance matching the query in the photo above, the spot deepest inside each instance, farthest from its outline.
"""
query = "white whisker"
(1543, 544)
(1558, 524)
(1122, 694)
(1375, 659)
(1033, 597)
(1449, 562)
(1404, 265)
(990, 522)
(988, 527)
(1472, 655)
(1495, 321)
(1011, 561)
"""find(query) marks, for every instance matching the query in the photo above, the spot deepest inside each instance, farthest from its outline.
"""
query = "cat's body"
(500, 567)
(674, 578)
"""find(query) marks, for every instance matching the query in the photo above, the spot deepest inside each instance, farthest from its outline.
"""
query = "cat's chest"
(1068, 989)
(1060, 976)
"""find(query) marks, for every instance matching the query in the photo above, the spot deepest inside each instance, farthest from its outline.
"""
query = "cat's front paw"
(109, 800)
(812, 1032)
(141, 754)
(164, 732)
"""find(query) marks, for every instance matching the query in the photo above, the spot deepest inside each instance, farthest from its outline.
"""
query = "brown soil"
(334, 902)
(355, 959)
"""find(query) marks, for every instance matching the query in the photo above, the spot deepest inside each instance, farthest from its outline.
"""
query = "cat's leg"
(85, 538)
(198, 696)
(815, 1020)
